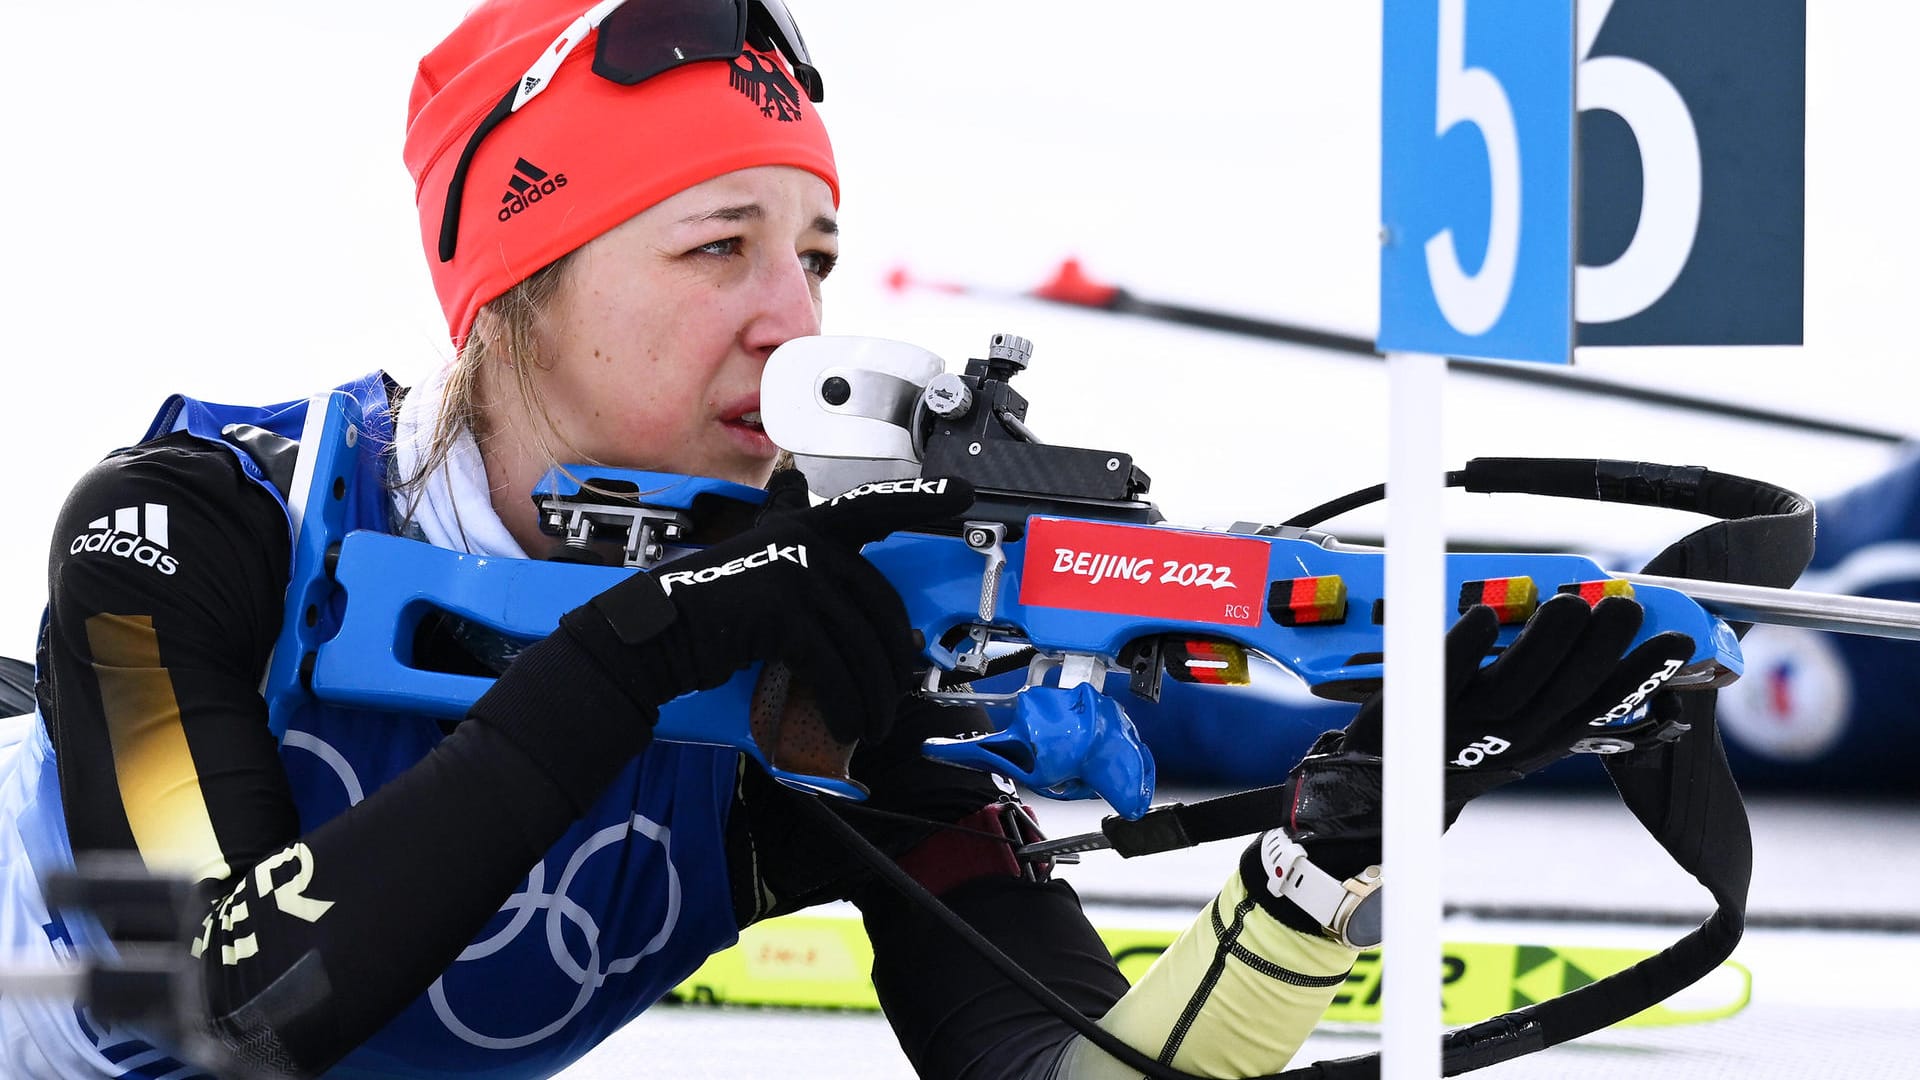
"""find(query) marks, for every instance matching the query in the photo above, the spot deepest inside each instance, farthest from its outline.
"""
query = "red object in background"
(1071, 285)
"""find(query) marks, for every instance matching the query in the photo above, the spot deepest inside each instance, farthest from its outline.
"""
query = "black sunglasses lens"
(643, 38)
(772, 20)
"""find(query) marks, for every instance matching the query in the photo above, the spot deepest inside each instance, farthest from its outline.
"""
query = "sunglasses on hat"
(636, 41)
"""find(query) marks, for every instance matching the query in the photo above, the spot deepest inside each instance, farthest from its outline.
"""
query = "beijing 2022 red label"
(1135, 570)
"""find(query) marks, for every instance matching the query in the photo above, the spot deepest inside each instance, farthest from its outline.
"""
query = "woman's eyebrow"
(742, 212)
(755, 212)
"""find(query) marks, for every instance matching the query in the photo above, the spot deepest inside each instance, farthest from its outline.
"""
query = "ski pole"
(1071, 286)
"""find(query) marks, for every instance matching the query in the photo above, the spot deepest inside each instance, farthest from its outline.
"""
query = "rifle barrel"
(1870, 616)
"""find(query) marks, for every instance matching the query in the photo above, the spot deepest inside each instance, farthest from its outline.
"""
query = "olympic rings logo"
(561, 910)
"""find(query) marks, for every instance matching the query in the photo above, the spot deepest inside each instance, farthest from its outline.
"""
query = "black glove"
(793, 589)
(1526, 710)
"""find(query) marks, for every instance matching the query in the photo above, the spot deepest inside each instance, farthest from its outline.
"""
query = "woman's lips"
(746, 432)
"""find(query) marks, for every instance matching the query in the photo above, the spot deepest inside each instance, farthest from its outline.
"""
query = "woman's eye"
(819, 263)
(729, 246)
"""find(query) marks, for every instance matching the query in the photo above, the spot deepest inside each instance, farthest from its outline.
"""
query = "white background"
(208, 197)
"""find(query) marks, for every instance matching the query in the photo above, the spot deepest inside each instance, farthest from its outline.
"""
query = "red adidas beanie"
(585, 155)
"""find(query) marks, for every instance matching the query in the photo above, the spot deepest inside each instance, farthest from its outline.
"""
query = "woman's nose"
(787, 306)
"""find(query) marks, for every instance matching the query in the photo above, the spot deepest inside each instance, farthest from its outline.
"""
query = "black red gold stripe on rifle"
(1595, 591)
(1305, 601)
(1513, 599)
(1205, 660)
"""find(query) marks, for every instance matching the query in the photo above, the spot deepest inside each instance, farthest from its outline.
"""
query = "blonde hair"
(517, 313)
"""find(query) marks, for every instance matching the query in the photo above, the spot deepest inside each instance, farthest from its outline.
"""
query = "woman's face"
(655, 343)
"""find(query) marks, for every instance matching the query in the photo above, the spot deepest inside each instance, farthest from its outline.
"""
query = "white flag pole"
(1415, 718)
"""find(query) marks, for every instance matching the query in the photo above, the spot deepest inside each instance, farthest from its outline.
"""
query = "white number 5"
(1670, 179)
(1472, 303)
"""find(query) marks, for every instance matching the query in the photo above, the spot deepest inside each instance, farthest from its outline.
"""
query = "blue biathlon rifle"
(1061, 568)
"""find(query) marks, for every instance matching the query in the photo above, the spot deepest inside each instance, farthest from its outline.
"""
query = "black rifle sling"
(1682, 792)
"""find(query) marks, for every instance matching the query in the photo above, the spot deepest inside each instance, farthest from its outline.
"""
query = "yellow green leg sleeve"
(1234, 995)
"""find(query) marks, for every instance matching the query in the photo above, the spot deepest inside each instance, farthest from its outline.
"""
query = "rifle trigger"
(985, 537)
